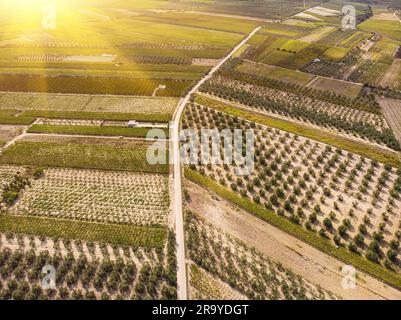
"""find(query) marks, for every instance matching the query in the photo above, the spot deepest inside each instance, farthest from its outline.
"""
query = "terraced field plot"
(109, 197)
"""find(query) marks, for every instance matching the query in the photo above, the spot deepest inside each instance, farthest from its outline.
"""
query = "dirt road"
(179, 220)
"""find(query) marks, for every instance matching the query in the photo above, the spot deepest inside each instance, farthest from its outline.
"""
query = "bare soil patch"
(9, 132)
(391, 75)
(392, 112)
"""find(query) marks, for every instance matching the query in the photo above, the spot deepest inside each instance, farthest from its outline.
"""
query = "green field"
(87, 154)
(283, 30)
(383, 50)
(354, 39)
(335, 53)
(392, 29)
(288, 59)
(12, 117)
(92, 130)
(102, 49)
(99, 232)
(276, 73)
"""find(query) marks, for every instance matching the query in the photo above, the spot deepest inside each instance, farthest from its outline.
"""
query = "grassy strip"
(153, 117)
(69, 229)
(298, 231)
(104, 156)
(2, 143)
(338, 141)
(9, 117)
(92, 130)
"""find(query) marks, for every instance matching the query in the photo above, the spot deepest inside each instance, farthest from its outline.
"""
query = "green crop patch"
(275, 73)
(90, 231)
(92, 130)
(335, 53)
(107, 155)
(12, 117)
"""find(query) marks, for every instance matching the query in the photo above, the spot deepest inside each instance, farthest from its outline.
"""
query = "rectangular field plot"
(112, 154)
(91, 85)
(23, 108)
(108, 197)
(392, 113)
(276, 73)
(392, 29)
(337, 86)
(12, 117)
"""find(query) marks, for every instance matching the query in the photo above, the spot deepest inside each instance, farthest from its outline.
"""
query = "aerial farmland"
(103, 197)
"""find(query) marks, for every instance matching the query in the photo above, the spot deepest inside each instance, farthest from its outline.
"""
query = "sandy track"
(303, 259)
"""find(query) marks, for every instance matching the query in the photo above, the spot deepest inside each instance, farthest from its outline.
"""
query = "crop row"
(92, 85)
(79, 277)
(109, 155)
